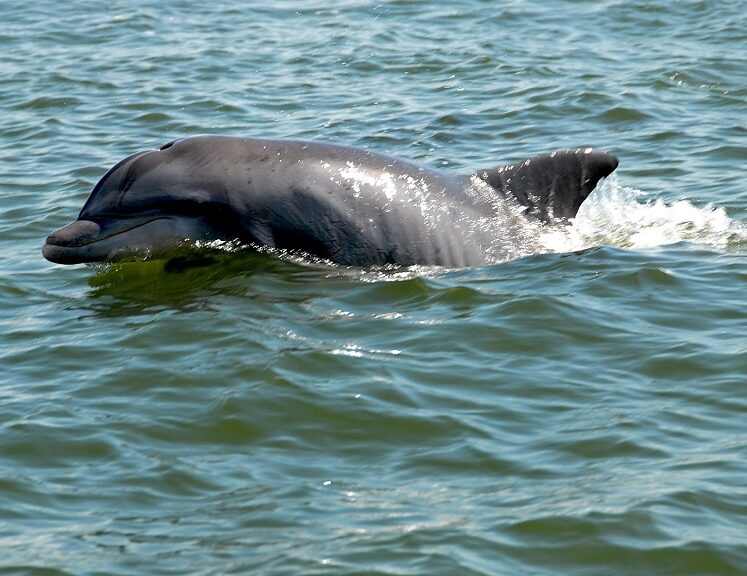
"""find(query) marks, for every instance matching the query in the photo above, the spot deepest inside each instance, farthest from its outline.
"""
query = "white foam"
(615, 215)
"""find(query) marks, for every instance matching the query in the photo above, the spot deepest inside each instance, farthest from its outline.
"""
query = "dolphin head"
(146, 205)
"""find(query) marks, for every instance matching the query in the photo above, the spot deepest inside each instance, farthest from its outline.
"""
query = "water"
(580, 410)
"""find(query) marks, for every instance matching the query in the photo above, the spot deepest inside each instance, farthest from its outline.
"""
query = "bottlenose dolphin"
(343, 204)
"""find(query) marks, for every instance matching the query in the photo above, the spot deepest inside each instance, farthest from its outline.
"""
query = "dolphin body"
(343, 204)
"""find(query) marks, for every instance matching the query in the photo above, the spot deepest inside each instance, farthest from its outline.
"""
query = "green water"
(579, 411)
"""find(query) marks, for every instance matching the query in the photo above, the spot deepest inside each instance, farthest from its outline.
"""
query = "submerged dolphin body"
(343, 204)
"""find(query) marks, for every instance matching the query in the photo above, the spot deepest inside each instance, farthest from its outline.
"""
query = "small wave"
(615, 215)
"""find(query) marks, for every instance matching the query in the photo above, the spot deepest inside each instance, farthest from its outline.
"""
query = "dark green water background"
(577, 412)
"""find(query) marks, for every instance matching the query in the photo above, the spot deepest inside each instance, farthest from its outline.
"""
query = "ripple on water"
(578, 410)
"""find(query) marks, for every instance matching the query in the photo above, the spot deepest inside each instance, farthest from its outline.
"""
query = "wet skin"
(343, 204)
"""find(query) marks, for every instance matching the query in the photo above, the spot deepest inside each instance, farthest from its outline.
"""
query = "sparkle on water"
(575, 408)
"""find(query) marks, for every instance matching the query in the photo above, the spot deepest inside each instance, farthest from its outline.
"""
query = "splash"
(615, 215)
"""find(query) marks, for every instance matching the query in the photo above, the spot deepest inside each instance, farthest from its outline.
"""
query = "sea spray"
(621, 216)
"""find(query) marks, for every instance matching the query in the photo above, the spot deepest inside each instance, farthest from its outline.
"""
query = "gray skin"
(343, 204)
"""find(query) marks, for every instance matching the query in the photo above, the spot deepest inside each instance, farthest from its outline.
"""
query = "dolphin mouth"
(88, 241)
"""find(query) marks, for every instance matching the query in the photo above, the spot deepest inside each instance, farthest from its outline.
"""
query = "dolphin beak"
(111, 239)
(75, 234)
(63, 246)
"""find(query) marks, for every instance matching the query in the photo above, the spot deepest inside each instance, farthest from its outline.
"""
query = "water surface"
(579, 410)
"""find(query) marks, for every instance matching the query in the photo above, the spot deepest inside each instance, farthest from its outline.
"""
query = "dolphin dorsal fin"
(554, 185)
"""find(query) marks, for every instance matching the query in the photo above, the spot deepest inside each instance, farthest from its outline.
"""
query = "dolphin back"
(552, 186)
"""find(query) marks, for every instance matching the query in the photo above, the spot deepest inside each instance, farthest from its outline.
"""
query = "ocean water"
(579, 410)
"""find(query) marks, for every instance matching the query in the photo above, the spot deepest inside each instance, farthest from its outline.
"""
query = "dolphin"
(343, 204)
